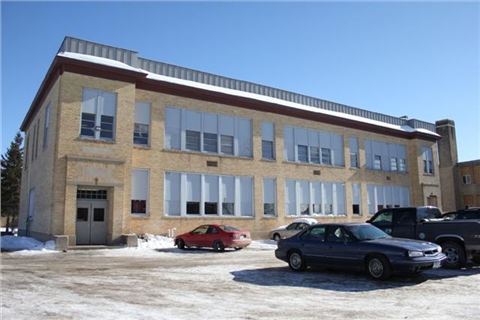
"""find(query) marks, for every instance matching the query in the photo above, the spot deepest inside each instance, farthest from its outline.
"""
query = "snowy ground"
(159, 281)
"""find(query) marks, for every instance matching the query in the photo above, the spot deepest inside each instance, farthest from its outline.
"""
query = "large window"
(207, 132)
(356, 199)
(98, 114)
(269, 197)
(193, 194)
(353, 144)
(310, 146)
(380, 196)
(427, 156)
(268, 140)
(141, 129)
(46, 126)
(31, 204)
(140, 186)
(314, 198)
(385, 156)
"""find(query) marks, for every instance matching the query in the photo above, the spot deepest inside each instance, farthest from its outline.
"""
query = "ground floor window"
(306, 198)
(193, 194)
(380, 197)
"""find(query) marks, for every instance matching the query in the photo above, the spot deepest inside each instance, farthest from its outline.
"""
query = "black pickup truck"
(460, 239)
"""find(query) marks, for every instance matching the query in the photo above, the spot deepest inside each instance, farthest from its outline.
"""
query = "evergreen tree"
(11, 178)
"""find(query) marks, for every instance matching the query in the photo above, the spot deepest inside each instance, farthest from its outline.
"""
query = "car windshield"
(367, 232)
(229, 228)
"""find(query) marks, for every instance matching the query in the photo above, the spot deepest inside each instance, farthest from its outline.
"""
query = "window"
(36, 140)
(379, 197)
(314, 198)
(207, 132)
(311, 146)
(140, 186)
(226, 144)
(314, 155)
(268, 138)
(467, 179)
(393, 164)
(356, 199)
(191, 194)
(269, 196)
(302, 153)
(46, 126)
(27, 140)
(353, 142)
(33, 142)
(210, 142)
(142, 124)
(31, 204)
(377, 162)
(427, 156)
(385, 156)
(98, 114)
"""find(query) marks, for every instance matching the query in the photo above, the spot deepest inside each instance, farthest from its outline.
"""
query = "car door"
(312, 244)
(403, 224)
(197, 237)
(340, 250)
(211, 235)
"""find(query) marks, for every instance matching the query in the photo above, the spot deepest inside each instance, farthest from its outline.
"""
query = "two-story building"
(117, 144)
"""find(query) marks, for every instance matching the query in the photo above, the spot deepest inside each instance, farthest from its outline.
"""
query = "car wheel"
(276, 237)
(181, 244)
(455, 255)
(378, 267)
(296, 262)
(218, 246)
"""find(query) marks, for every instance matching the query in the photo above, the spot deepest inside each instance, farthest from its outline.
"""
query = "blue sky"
(419, 59)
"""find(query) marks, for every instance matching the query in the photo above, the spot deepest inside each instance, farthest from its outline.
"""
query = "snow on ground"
(148, 241)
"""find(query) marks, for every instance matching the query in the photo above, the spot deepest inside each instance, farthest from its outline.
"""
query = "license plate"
(436, 264)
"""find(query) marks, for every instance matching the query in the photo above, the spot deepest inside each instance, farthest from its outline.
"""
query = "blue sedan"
(360, 247)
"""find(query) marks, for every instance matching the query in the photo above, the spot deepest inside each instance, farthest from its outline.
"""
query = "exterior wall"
(38, 173)
(448, 161)
(71, 162)
(469, 193)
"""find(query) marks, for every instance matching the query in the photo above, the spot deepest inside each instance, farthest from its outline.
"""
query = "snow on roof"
(243, 94)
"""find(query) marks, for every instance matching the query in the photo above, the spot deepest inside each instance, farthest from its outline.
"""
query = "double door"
(92, 222)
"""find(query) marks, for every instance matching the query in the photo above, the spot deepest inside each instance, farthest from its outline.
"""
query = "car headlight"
(413, 254)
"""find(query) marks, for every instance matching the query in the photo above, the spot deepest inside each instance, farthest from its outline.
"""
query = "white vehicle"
(293, 228)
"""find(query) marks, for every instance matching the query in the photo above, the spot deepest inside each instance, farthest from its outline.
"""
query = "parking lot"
(168, 283)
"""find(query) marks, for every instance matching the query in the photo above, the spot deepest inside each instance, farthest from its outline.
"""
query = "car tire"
(455, 253)
(276, 237)
(296, 261)
(181, 244)
(378, 267)
(218, 246)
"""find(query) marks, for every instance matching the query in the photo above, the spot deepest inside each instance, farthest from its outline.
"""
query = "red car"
(214, 236)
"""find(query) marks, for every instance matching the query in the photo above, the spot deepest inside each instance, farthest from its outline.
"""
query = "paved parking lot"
(201, 284)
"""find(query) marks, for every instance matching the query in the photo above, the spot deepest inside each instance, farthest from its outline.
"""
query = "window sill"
(99, 141)
(207, 154)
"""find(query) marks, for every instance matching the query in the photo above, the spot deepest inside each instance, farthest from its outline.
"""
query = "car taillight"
(235, 236)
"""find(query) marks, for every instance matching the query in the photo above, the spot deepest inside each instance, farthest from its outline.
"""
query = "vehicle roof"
(307, 220)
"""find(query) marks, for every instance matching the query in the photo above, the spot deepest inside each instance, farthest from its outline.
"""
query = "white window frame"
(233, 134)
(357, 198)
(428, 164)
(142, 120)
(270, 196)
(31, 203)
(101, 103)
(268, 140)
(467, 179)
(46, 125)
(229, 189)
(140, 188)
(354, 159)
(386, 196)
(322, 198)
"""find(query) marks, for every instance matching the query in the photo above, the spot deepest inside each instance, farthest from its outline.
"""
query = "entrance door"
(91, 227)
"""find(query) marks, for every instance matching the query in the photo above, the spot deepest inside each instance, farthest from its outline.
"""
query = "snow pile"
(15, 243)
(150, 241)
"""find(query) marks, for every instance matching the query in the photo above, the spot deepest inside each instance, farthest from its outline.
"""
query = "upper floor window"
(427, 156)
(98, 114)
(310, 146)
(385, 156)
(467, 179)
(353, 142)
(268, 140)
(207, 132)
(141, 129)
(46, 126)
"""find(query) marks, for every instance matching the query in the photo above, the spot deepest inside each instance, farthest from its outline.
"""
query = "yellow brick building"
(116, 144)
